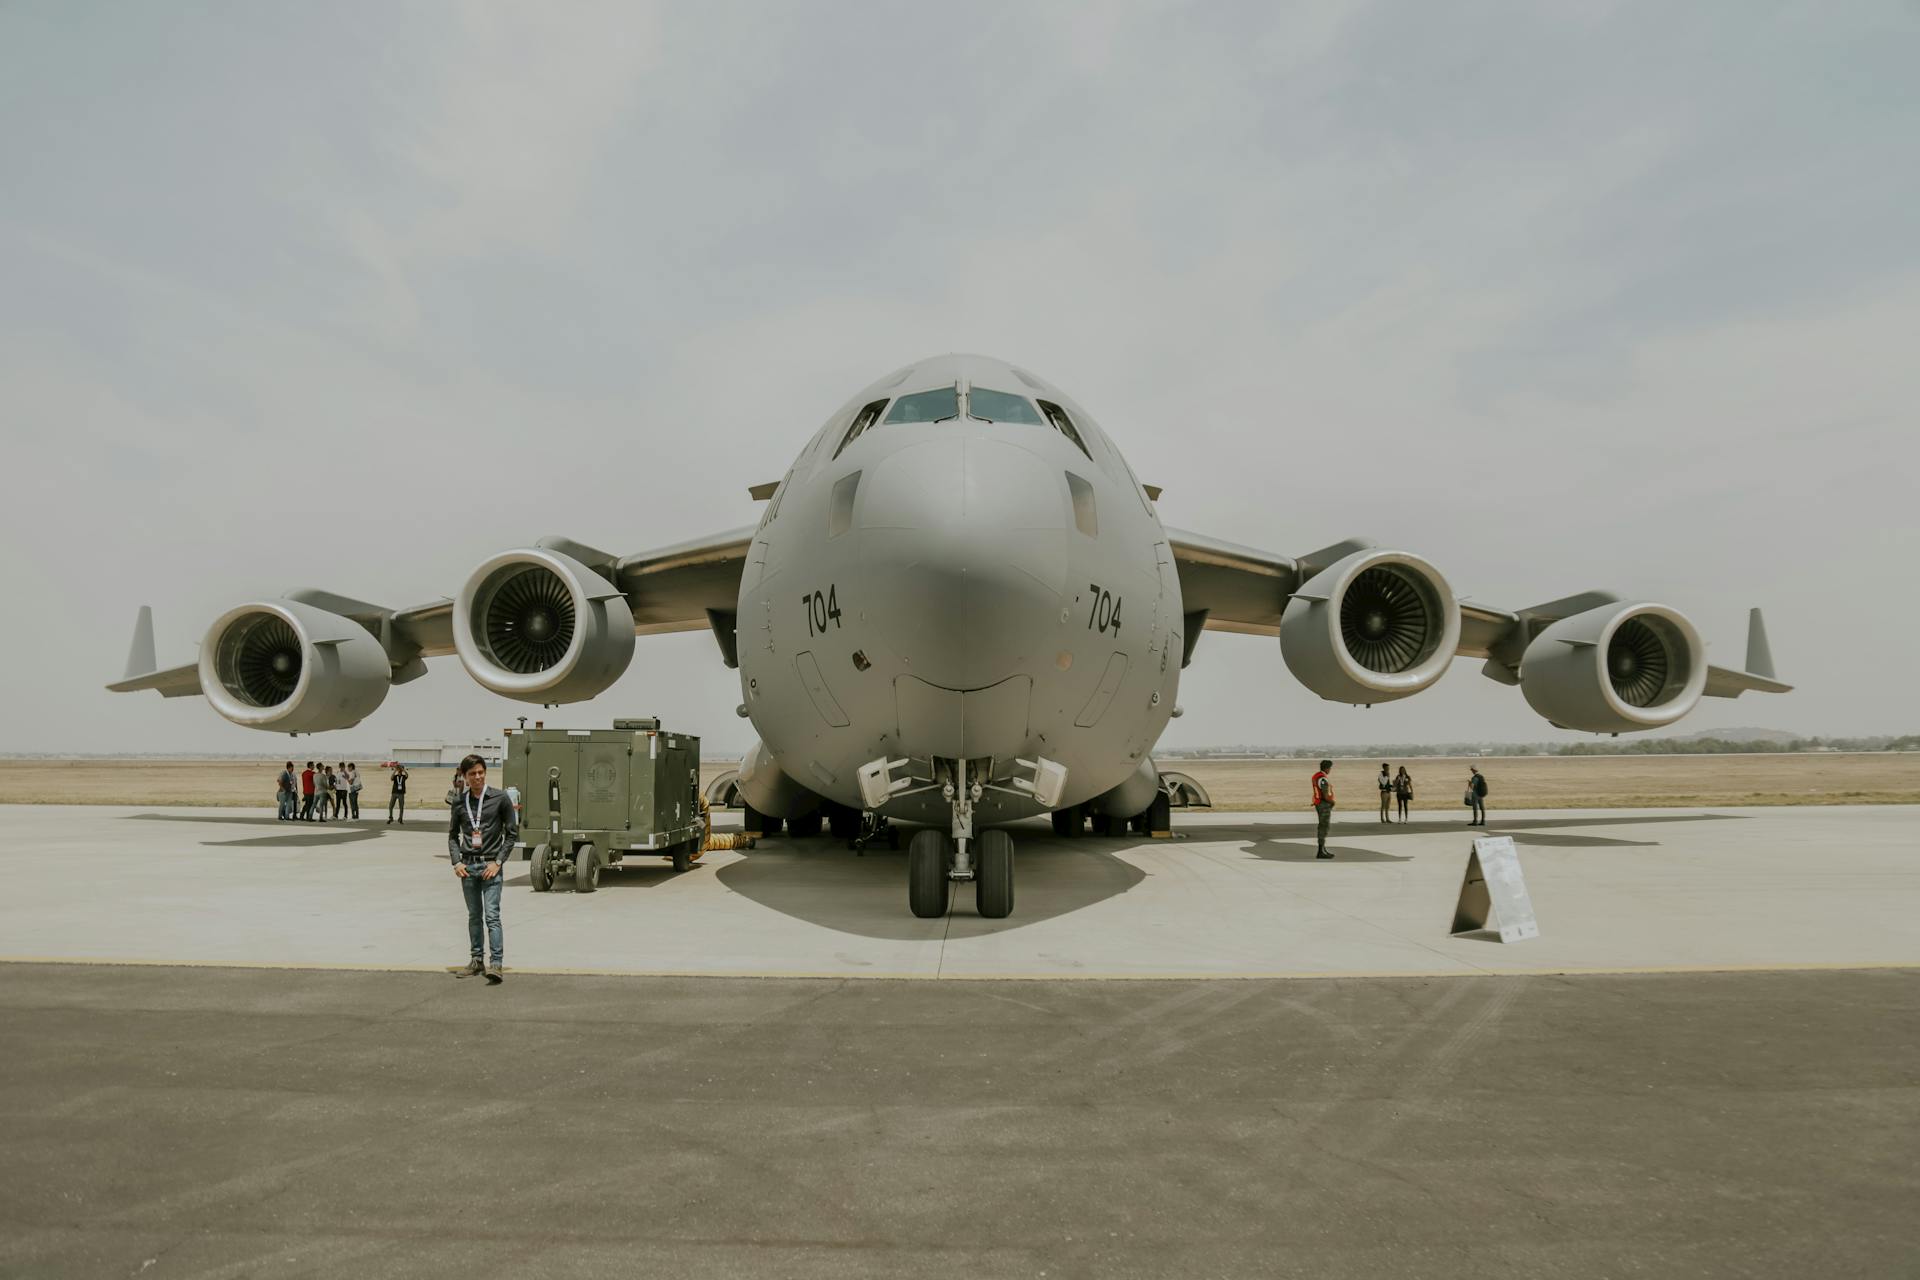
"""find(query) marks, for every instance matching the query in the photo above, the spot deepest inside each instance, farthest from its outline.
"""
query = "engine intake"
(1374, 626)
(1615, 669)
(537, 625)
(280, 664)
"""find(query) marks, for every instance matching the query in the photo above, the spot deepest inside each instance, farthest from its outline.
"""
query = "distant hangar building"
(423, 753)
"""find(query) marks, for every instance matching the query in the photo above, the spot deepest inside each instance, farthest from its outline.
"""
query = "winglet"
(143, 671)
(1759, 655)
(140, 659)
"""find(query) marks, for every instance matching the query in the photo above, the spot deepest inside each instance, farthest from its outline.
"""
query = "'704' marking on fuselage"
(1105, 613)
(821, 609)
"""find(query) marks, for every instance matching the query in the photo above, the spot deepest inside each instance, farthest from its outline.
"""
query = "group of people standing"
(319, 792)
(1396, 793)
(322, 791)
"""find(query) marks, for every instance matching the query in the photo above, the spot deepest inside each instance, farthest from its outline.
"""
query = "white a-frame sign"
(1493, 896)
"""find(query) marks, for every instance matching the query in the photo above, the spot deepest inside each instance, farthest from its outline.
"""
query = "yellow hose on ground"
(723, 839)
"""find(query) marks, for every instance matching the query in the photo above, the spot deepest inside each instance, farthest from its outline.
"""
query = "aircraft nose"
(964, 544)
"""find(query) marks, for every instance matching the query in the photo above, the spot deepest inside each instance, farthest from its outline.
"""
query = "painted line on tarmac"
(909, 976)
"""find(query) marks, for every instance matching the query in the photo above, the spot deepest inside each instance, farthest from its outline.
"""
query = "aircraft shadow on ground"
(294, 835)
(820, 881)
(1294, 841)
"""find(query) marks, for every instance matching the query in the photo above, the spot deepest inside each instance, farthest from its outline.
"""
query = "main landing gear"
(936, 859)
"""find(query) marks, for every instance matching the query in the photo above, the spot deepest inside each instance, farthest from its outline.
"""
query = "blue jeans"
(483, 903)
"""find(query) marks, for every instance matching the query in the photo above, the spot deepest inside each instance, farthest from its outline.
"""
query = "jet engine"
(537, 625)
(280, 664)
(1616, 669)
(770, 789)
(1374, 626)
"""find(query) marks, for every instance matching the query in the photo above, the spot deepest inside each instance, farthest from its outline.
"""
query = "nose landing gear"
(935, 859)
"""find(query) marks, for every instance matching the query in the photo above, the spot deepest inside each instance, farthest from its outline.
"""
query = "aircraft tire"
(804, 827)
(843, 822)
(993, 877)
(1066, 822)
(586, 869)
(757, 823)
(540, 875)
(927, 883)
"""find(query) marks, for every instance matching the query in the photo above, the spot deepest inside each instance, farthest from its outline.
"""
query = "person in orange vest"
(1322, 801)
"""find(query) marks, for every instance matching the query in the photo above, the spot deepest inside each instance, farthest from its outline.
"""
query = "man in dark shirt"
(481, 834)
(397, 797)
(284, 793)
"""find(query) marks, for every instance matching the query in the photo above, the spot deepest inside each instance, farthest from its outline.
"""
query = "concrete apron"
(1240, 896)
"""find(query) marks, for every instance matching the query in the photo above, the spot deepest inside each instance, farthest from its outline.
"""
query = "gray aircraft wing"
(689, 586)
(674, 588)
(1229, 587)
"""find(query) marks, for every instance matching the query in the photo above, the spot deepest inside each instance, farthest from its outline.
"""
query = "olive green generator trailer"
(590, 798)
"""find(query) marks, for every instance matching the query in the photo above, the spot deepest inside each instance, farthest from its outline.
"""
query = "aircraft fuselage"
(988, 587)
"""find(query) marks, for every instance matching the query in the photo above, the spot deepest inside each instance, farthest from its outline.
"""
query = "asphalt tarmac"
(231, 1122)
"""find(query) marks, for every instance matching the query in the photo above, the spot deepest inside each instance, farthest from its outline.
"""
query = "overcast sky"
(350, 296)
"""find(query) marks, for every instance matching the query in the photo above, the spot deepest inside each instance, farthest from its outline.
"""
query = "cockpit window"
(861, 421)
(1063, 424)
(1000, 406)
(926, 406)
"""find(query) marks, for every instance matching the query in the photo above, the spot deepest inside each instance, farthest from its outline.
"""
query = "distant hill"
(1740, 735)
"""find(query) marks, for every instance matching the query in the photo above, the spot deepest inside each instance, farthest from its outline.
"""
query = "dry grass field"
(1515, 782)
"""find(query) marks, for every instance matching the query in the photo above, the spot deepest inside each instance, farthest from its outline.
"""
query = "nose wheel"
(927, 859)
(993, 875)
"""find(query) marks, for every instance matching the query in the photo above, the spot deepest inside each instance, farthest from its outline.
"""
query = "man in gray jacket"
(481, 832)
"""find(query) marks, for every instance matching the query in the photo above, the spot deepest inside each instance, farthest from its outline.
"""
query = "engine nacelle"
(770, 789)
(539, 626)
(279, 664)
(1374, 626)
(1615, 669)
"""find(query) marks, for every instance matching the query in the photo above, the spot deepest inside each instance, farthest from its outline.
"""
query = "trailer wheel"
(683, 856)
(586, 869)
(541, 874)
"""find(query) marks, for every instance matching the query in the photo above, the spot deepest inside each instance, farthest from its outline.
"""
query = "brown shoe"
(495, 973)
(473, 967)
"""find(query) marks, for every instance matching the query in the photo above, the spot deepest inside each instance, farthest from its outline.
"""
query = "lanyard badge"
(473, 819)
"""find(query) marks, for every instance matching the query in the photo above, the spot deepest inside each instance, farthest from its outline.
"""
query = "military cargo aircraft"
(959, 609)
